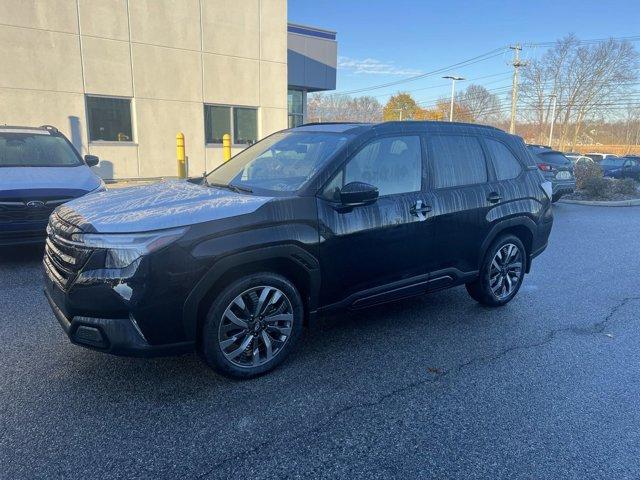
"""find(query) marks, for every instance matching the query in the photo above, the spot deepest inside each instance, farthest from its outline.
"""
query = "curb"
(600, 203)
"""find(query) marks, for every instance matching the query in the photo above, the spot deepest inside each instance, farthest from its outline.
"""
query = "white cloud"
(373, 66)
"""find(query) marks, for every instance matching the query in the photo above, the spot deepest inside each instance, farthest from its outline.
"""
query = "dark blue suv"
(39, 170)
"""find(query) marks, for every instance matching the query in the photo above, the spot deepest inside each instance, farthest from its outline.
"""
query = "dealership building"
(122, 77)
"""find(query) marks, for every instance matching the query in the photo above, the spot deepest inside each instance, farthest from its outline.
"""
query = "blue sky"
(386, 40)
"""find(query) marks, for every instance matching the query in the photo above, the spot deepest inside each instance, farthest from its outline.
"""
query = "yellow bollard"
(226, 146)
(182, 162)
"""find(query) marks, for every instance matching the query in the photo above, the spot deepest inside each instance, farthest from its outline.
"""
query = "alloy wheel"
(505, 272)
(255, 326)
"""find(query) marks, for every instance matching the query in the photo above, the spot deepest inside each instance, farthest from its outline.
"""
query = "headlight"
(125, 248)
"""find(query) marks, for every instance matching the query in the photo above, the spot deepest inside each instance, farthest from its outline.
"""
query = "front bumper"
(118, 336)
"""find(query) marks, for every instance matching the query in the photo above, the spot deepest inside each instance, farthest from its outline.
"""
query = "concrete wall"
(169, 56)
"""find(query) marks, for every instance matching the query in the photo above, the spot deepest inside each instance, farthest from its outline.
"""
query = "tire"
(481, 289)
(556, 197)
(251, 336)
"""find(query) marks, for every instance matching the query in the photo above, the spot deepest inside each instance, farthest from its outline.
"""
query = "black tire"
(480, 290)
(555, 197)
(211, 347)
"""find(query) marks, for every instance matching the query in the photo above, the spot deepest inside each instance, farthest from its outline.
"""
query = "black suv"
(307, 221)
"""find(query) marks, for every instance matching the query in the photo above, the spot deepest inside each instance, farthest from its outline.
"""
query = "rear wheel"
(501, 273)
(252, 325)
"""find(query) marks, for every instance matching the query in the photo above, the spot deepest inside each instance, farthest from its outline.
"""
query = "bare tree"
(342, 108)
(480, 105)
(588, 79)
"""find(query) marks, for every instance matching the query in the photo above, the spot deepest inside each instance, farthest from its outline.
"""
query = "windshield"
(20, 149)
(282, 162)
(612, 162)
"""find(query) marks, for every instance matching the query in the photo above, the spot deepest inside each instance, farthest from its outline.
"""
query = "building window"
(109, 119)
(218, 120)
(295, 104)
(245, 126)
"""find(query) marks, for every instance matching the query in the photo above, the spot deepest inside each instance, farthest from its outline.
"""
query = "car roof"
(358, 127)
(42, 130)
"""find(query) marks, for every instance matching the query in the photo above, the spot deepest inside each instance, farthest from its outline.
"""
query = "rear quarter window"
(505, 163)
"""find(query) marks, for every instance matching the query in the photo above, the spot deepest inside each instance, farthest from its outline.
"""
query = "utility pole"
(514, 88)
(553, 118)
(453, 92)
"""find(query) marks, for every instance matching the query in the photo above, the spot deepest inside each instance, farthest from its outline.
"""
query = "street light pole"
(553, 117)
(453, 92)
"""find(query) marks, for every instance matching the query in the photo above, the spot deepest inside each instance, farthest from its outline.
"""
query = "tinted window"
(456, 160)
(245, 125)
(35, 150)
(393, 165)
(554, 158)
(217, 122)
(109, 119)
(504, 162)
(612, 162)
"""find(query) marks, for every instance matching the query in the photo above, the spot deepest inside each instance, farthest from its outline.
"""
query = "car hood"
(157, 206)
(65, 180)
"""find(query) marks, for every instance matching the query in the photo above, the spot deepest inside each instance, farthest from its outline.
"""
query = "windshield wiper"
(230, 186)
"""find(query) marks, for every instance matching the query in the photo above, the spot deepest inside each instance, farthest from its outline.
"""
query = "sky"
(382, 41)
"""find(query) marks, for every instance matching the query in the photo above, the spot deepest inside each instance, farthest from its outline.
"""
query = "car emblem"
(35, 204)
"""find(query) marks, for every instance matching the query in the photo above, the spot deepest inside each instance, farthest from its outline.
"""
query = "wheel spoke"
(234, 319)
(286, 331)
(239, 301)
(261, 300)
(508, 282)
(231, 340)
(243, 346)
(283, 317)
(267, 343)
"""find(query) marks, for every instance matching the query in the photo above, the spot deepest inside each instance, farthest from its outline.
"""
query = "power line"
(479, 58)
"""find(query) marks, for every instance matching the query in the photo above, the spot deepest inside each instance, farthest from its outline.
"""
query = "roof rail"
(333, 123)
(50, 128)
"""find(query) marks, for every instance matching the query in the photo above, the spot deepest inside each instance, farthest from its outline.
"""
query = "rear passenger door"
(458, 177)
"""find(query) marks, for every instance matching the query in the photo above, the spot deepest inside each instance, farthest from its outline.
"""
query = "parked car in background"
(598, 157)
(307, 221)
(556, 168)
(39, 170)
(621, 167)
(577, 158)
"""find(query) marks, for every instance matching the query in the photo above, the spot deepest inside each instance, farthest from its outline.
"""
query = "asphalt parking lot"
(433, 387)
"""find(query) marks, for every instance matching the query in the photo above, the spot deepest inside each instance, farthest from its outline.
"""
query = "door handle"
(494, 197)
(419, 209)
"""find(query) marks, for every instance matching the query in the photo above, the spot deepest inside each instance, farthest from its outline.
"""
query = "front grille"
(25, 210)
(63, 258)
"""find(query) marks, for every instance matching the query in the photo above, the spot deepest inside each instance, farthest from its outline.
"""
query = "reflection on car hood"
(51, 178)
(154, 207)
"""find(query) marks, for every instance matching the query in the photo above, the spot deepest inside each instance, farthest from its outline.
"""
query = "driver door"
(369, 252)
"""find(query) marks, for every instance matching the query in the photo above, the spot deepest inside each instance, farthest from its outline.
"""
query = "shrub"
(584, 171)
(597, 187)
(628, 186)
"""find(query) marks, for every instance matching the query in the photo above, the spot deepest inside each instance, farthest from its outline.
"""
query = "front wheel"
(252, 325)
(501, 273)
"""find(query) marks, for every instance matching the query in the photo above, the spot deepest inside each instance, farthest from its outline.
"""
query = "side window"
(456, 160)
(392, 164)
(507, 166)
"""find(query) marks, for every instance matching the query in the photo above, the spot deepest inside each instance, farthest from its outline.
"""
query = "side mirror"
(91, 160)
(358, 193)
